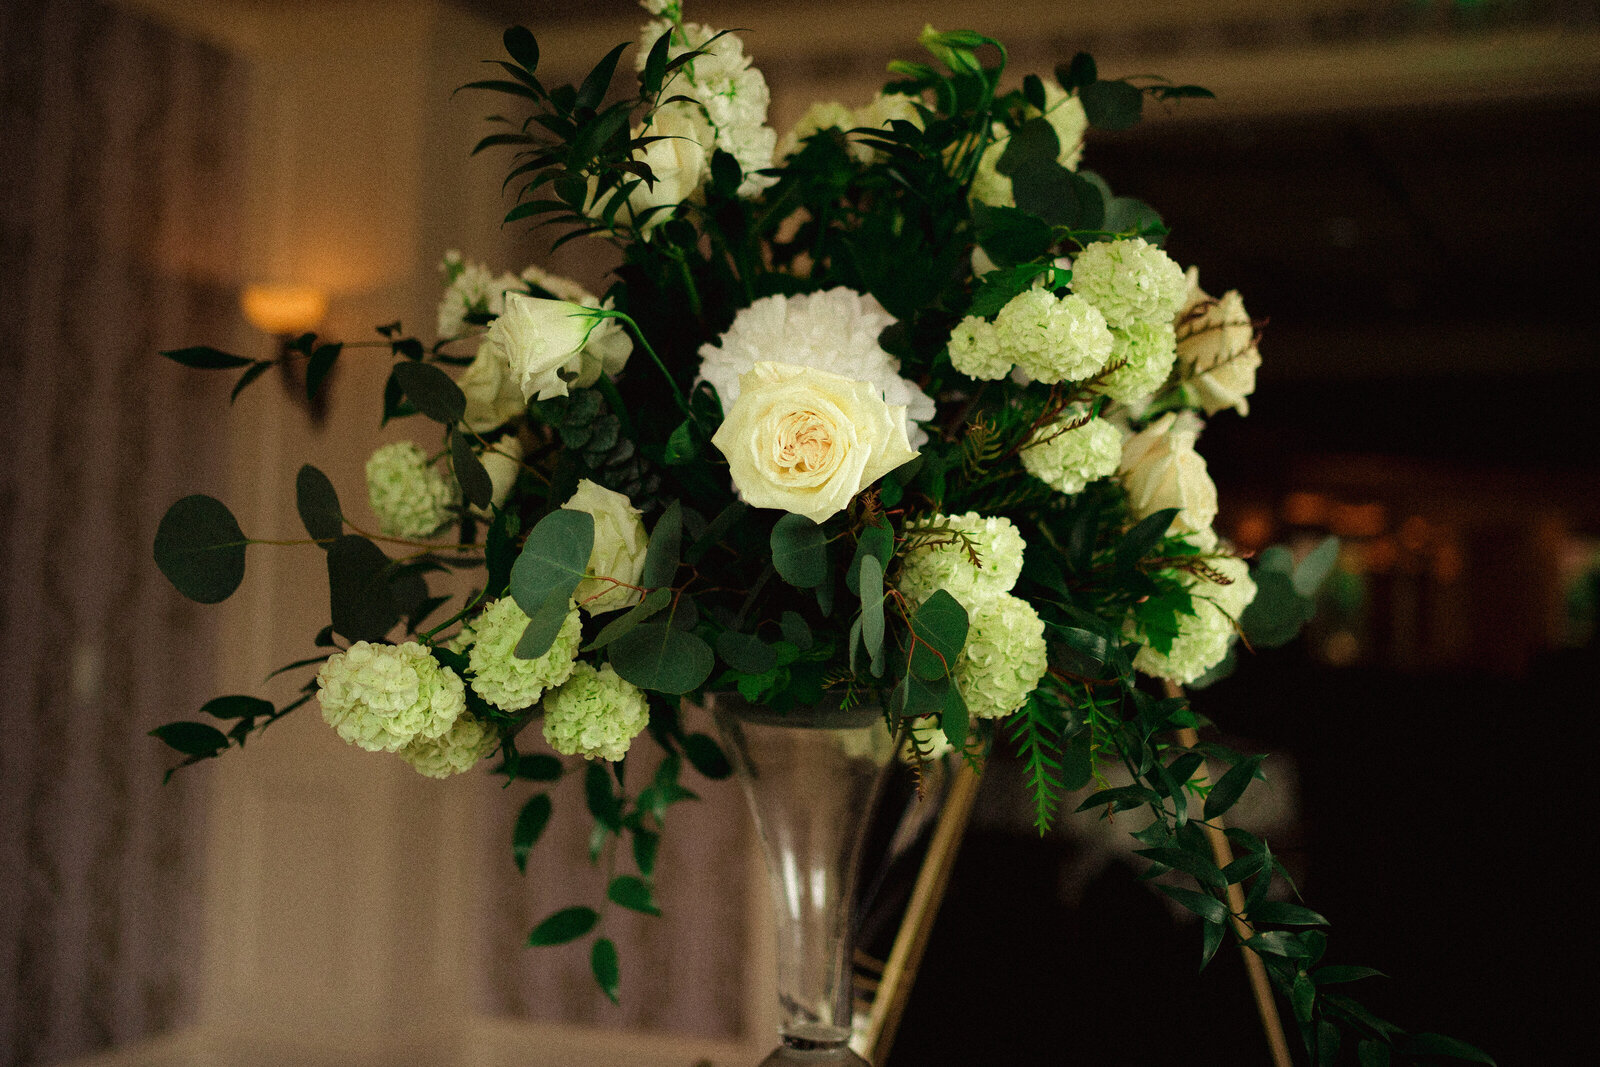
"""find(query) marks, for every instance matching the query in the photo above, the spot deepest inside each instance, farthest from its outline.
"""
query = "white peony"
(834, 331)
(1204, 637)
(1216, 348)
(1160, 469)
(384, 697)
(410, 497)
(1129, 280)
(594, 714)
(619, 548)
(1069, 459)
(807, 441)
(540, 342)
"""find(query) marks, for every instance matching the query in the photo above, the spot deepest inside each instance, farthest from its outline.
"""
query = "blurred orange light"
(1358, 520)
(1306, 509)
(284, 310)
(1253, 530)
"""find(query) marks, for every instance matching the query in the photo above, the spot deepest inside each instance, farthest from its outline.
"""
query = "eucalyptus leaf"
(799, 551)
(872, 622)
(476, 486)
(554, 559)
(360, 603)
(746, 653)
(662, 554)
(939, 632)
(544, 626)
(432, 391)
(661, 657)
(652, 603)
(200, 548)
(318, 504)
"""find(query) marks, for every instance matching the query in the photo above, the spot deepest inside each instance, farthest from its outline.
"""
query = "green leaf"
(361, 606)
(1012, 238)
(318, 504)
(799, 551)
(320, 366)
(1278, 943)
(955, 720)
(655, 67)
(530, 826)
(1112, 105)
(1204, 905)
(871, 582)
(659, 656)
(999, 287)
(1315, 568)
(1283, 913)
(746, 653)
(593, 89)
(522, 47)
(607, 971)
(1231, 786)
(1120, 798)
(566, 925)
(431, 391)
(706, 756)
(795, 631)
(1138, 542)
(200, 548)
(716, 530)
(652, 603)
(535, 768)
(1210, 938)
(646, 844)
(1050, 191)
(632, 893)
(554, 558)
(236, 707)
(681, 445)
(1201, 868)
(206, 358)
(195, 739)
(1428, 1044)
(1373, 1054)
(476, 487)
(1034, 142)
(544, 626)
(662, 554)
(1339, 973)
(604, 805)
(874, 541)
(939, 627)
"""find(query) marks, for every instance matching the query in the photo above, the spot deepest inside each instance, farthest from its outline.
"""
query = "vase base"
(814, 1057)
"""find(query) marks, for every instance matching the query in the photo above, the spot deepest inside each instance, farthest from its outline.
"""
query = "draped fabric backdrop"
(117, 223)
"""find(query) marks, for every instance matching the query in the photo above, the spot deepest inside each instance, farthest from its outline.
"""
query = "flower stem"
(677, 394)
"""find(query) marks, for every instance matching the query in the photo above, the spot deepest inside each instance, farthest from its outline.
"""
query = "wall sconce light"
(286, 312)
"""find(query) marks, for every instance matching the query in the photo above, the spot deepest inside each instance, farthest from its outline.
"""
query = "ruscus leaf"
(566, 925)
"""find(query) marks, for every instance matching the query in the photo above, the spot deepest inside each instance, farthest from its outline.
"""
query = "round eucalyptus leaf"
(659, 656)
(318, 504)
(431, 391)
(200, 548)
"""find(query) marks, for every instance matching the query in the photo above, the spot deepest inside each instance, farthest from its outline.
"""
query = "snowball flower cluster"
(1053, 339)
(499, 676)
(1066, 116)
(457, 749)
(1146, 351)
(975, 350)
(410, 497)
(731, 93)
(594, 714)
(1067, 457)
(1129, 280)
(1203, 638)
(1160, 469)
(1004, 657)
(940, 557)
(835, 331)
(1216, 348)
(385, 697)
(470, 288)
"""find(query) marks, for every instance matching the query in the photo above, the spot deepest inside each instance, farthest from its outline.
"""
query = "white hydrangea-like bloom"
(975, 350)
(939, 558)
(458, 749)
(1054, 339)
(1004, 657)
(1204, 637)
(835, 331)
(594, 714)
(384, 697)
(822, 115)
(1129, 280)
(832, 115)
(470, 287)
(732, 94)
(1146, 351)
(409, 497)
(1066, 116)
(502, 679)
(1069, 459)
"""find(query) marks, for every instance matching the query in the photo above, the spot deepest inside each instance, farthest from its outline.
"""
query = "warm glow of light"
(284, 310)
(1253, 530)
(1305, 509)
(1358, 520)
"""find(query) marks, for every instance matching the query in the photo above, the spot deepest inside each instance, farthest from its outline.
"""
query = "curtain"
(116, 240)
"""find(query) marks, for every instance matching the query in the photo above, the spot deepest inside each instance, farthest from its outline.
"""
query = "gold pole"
(894, 989)
(1222, 852)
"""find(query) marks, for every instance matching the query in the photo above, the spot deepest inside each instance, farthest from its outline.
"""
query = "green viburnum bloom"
(939, 557)
(1053, 339)
(385, 697)
(1004, 657)
(594, 714)
(458, 749)
(1147, 351)
(1069, 459)
(1130, 281)
(502, 679)
(410, 497)
(1204, 637)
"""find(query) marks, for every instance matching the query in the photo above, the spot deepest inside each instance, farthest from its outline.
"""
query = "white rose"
(1160, 469)
(807, 441)
(1217, 348)
(537, 340)
(619, 546)
(493, 395)
(502, 461)
(678, 160)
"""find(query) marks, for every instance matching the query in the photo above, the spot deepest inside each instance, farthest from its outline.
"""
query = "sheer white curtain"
(115, 242)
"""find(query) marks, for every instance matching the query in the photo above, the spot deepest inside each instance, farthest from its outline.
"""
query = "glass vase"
(812, 776)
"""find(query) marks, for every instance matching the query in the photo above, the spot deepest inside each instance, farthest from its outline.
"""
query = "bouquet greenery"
(900, 410)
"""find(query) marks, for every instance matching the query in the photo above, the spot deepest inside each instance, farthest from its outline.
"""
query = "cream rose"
(678, 160)
(538, 341)
(619, 547)
(493, 396)
(1160, 469)
(1217, 353)
(807, 441)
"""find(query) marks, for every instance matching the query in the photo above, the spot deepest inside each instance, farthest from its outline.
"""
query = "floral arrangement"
(900, 408)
